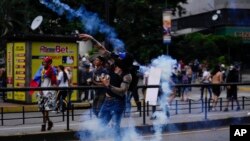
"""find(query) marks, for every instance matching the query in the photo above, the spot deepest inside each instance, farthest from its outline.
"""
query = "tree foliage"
(138, 22)
(211, 48)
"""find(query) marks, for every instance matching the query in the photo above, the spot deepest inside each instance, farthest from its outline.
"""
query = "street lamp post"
(166, 15)
(107, 20)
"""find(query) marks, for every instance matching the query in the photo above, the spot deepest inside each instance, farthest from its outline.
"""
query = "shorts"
(216, 90)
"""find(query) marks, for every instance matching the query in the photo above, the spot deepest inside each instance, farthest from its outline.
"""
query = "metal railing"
(191, 104)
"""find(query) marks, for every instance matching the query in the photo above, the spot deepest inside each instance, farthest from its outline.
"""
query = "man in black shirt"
(232, 77)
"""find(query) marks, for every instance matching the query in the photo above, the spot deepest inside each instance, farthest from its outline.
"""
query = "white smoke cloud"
(165, 63)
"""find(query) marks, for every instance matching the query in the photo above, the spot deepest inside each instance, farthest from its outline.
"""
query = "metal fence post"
(23, 116)
(67, 118)
(176, 107)
(140, 110)
(72, 112)
(202, 105)
(63, 116)
(147, 108)
(189, 103)
(2, 115)
(232, 104)
(221, 104)
(67, 107)
(144, 112)
(243, 103)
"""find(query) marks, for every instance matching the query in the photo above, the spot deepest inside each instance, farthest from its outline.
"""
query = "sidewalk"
(177, 122)
(180, 122)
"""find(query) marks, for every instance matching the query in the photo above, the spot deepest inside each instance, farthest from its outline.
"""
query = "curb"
(34, 108)
(145, 129)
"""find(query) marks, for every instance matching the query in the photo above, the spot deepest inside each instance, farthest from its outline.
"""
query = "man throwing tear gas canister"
(117, 84)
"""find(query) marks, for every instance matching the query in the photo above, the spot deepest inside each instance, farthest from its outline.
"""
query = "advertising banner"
(166, 19)
(19, 70)
(65, 54)
(9, 69)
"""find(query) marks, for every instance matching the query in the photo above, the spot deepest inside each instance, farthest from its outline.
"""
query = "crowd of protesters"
(198, 73)
(182, 73)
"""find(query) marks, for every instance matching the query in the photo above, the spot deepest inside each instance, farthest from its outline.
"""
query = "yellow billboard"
(62, 54)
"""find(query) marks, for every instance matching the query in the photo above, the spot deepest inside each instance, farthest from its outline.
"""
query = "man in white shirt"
(206, 79)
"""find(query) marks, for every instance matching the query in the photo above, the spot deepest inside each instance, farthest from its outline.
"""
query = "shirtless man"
(216, 79)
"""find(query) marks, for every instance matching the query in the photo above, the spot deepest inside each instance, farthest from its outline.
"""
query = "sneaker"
(226, 110)
(238, 109)
(43, 127)
(50, 125)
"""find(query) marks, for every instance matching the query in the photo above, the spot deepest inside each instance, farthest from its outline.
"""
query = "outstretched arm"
(89, 37)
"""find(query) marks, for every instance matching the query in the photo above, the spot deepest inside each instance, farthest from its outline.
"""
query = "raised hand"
(85, 37)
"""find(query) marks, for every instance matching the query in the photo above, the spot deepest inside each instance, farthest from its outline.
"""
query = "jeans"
(112, 108)
(128, 103)
(209, 89)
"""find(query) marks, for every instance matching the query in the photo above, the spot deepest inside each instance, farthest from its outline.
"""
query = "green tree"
(213, 48)
(138, 22)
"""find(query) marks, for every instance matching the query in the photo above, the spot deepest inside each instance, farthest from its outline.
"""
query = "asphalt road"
(214, 134)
